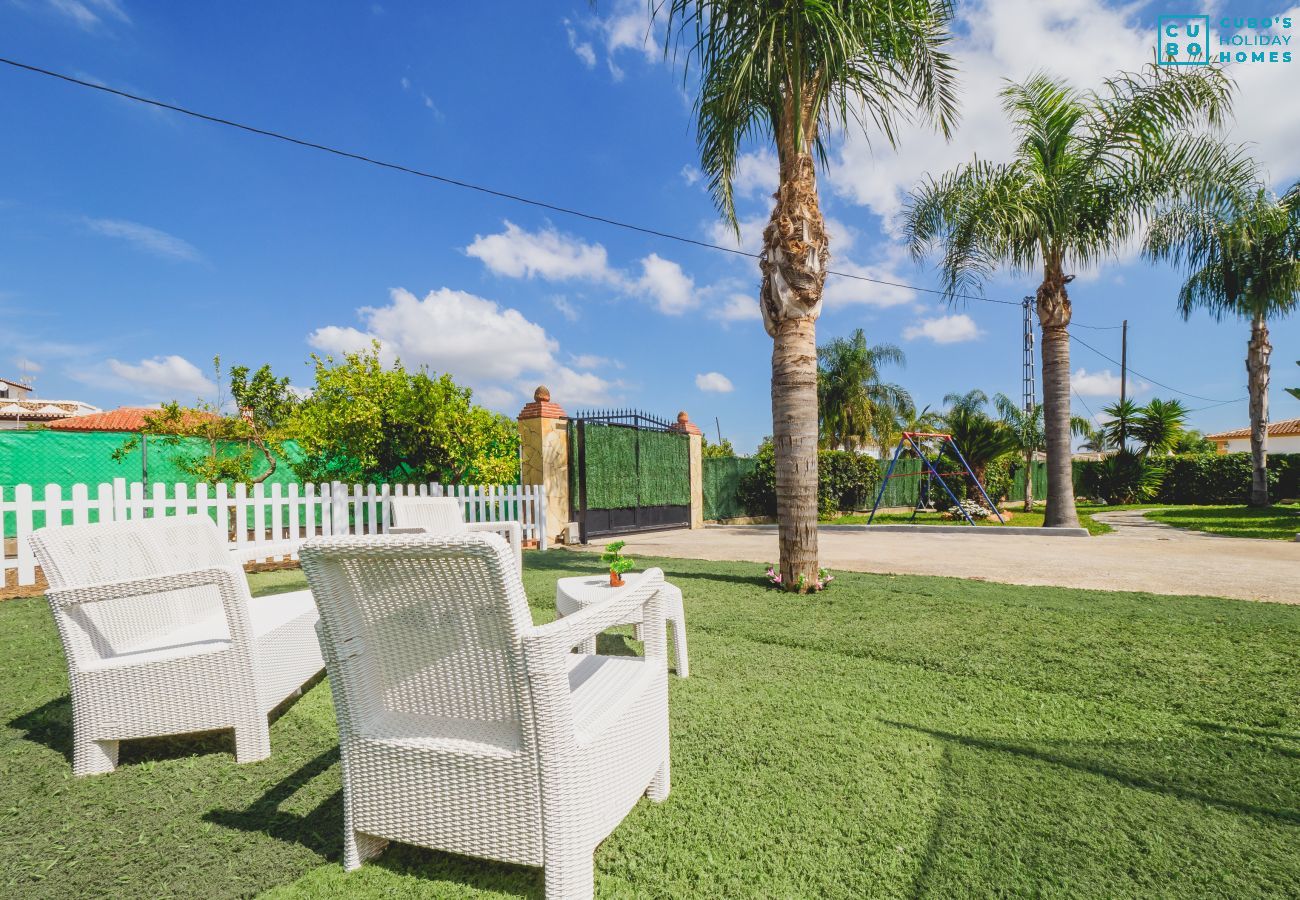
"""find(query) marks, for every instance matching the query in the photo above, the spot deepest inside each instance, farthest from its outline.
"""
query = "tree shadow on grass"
(1191, 769)
(321, 831)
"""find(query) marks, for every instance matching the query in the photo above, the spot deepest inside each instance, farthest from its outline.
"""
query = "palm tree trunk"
(1029, 480)
(1054, 317)
(1257, 371)
(794, 436)
(793, 264)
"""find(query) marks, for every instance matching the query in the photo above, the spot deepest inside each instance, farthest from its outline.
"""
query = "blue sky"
(138, 243)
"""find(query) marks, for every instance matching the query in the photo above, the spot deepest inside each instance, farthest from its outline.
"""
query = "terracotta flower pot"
(615, 579)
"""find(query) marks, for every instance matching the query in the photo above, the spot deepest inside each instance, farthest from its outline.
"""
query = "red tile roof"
(124, 418)
(1275, 429)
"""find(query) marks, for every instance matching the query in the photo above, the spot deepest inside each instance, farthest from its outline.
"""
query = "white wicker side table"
(573, 594)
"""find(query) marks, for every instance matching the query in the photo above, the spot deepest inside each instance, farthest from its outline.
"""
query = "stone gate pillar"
(696, 437)
(544, 457)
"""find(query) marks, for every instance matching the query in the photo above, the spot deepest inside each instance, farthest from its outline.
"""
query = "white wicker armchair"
(162, 637)
(445, 515)
(465, 728)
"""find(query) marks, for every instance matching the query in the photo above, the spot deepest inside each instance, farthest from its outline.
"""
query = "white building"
(18, 409)
(1283, 437)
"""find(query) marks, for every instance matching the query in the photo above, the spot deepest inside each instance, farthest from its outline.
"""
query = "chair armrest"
(545, 645)
(251, 552)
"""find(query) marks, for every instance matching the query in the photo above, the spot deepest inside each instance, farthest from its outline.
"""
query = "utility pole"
(1123, 385)
(1027, 396)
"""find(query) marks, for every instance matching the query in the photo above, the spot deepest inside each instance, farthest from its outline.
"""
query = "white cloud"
(951, 329)
(751, 233)
(89, 13)
(593, 361)
(714, 383)
(546, 254)
(737, 307)
(406, 83)
(582, 49)
(1102, 384)
(27, 365)
(565, 308)
(151, 240)
(756, 174)
(663, 280)
(163, 378)
(488, 347)
(841, 290)
(690, 174)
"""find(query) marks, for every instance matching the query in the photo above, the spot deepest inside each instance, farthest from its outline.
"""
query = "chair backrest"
(423, 625)
(76, 555)
(436, 515)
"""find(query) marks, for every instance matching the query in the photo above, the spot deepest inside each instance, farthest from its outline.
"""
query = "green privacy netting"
(627, 467)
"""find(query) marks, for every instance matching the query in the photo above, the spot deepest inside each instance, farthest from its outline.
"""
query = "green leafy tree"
(1031, 436)
(1088, 169)
(796, 73)
(713, 451)
(1242, 259)
(235, 441)
(365, 422)
(973, 400)
(1189, 440)
(980, 439)
(855, 404)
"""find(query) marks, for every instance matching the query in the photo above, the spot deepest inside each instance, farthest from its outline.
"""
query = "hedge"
(722, 476)
(845, 481)
(613, 457)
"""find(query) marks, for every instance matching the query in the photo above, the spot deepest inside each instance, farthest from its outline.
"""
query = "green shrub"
(845, 481)
(1225, 477)
(1123, 477)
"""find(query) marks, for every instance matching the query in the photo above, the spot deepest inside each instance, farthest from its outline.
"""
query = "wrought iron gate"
(630, 472)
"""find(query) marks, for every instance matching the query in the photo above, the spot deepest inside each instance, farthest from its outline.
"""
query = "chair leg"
(661, 784)
(93, 757)
(571, 876)
(679, 648)
(359, 847)
(252, 741)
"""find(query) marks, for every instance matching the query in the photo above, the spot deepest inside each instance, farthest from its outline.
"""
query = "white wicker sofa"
(162, 637)
(465, 728)
(445, 515)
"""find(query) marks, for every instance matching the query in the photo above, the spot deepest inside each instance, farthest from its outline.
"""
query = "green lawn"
(1017, 517)
(1276, 522)
(892, 737)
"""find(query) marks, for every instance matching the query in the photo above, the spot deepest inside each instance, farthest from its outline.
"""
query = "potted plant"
(617, 562)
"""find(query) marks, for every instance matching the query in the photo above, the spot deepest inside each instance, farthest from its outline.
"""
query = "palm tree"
(1295, 391)
(1242, 258)
(1120, 425)
(853, 401)
(1158, 425)
(1098, 441)
(1027, 426)
(1088, 169)
(889, 431)
(973, 400)
(795, 73)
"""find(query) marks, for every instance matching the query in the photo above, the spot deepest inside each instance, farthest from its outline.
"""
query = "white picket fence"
(265, 515)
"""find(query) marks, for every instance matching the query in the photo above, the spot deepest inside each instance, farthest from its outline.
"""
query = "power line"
(456, 182)
(1148, 377)
(1091, 414)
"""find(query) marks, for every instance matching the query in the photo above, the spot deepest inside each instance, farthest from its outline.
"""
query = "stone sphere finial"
(542, 394)
(682, 418)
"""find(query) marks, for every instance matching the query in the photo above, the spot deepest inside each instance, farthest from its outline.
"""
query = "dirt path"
(1140, 556)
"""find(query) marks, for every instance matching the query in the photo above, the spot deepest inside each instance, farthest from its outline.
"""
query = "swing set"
(915, 442)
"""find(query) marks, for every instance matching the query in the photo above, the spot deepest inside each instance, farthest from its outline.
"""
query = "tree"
(795, 73)
(1190, 440)
(1123, 413)
(724, 449)
(1295, 391)
(365, 422)
(262, 404)
(1158, 425)
(854, 403)
(980, 440)
(1242, 259)
(1088, 170)
(1097, 440)
(890, 430)
(973, 400)
(1031, 437)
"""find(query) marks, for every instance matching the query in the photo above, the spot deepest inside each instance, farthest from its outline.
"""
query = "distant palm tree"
(1098, 441)
(1242, 258)
(1030, 434)
(925, 420)
(853, 400)
(1088, 168)
(1158, 425)
(973, 400)
(797, 74)
(1122, 415)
